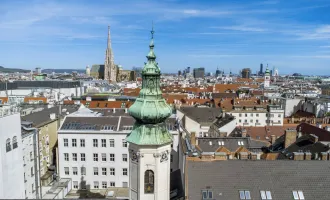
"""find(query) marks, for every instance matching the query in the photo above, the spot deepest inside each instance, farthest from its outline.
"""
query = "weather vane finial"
(152, 30)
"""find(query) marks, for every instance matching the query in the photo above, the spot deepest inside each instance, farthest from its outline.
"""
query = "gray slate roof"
(202, 115)
(43, 117)
(280, 177)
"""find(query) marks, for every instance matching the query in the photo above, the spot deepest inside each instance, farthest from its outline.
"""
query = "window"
(74, 157)
(124, 143)
(244, 194)
(149, 182)
(32, 186)
(298, 194)
(279, 115)
(104, 157)
(271, 115)
(74, 170)
(104, 171)
(125, 171)
(239, 121)
(112, 157)
(82, 157)
(66, 170)
(112, 184)
(66, 156)
(96, 185)
(96, 171)
(32, 171)
(82, 142)
(112, 143)
(66, 142)
(257, 114)
(251, 120)
(83, 170)
(74, 142)
(240, 115)
(103, 143)
(251, 114)
(83, 185)
(95, 143)
(8, 145)
(257, 121)
(96, 157)
(125, 184)
(31, 156)
(265, 195)
(15, 142)
(125, 157)
(207, 194)
(104, 185)
(112, 171)
(75, 184)
(245, 121)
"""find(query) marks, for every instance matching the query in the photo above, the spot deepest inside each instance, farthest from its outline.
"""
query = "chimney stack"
(193, 139)
(314, 138)
(244, 132)
(290, 137)
(324, 156)
(298, 156)
(308, 156)
(273, 139)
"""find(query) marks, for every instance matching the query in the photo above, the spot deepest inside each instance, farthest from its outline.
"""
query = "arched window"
(149, 182)
(8, 145)
(15, 142)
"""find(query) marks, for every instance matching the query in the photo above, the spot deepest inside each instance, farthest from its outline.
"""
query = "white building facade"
(11, 157)
(93, 152)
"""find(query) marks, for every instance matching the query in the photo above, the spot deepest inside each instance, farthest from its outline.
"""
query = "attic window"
(207, 194)
(244, 194)
(265, 195)
(299, 195)
(240, 143)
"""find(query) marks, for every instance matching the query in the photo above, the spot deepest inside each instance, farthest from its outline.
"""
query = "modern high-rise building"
(179, 73)
(199, 72)
(246, 73)
(261, 69)
(217, 73)
(150, 141)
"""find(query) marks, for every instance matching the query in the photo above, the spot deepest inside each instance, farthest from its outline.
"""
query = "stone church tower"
(110, 69)
(150, 141)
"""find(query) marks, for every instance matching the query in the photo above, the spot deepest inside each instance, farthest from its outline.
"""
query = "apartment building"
(31, 161)
(258, 115)
(92, 150)
(11, 156)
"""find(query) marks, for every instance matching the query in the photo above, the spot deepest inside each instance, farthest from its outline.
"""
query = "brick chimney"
(244, 132)
(308, 156)
(253, 156)
(298, 156)
(273, 139)
(193, 138)
(324, 156)
(220, 156)
(290, 137)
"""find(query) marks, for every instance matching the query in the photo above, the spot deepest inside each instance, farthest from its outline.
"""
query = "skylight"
(265, 195)
(244, 194)
(207, 194)
(299, 195)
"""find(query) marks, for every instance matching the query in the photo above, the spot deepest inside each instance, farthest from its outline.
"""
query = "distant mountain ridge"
(13, 70)
(61, 71)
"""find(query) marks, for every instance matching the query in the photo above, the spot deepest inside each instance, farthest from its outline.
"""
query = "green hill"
(13, 70)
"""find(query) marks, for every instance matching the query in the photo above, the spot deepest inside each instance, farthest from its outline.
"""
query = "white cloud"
(243, 28)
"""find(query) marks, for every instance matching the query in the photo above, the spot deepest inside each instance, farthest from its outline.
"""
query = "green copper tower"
(150, 109)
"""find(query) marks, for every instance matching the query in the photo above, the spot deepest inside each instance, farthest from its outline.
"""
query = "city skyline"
(292, 36)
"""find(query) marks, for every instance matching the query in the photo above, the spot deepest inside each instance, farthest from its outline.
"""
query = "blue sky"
(292, 35)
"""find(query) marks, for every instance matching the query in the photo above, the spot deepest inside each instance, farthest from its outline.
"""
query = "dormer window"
(8, 145)
(207, 194)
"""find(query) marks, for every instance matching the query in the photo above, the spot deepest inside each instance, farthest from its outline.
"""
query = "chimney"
(244, 132)
(220, 156)
(193, 138)
(314, 138)
(114, 110)
(308, 156)
(290, 137)
(125, 110)
(324, 156)
(273, 139)
(253, 156)
(298, 156)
